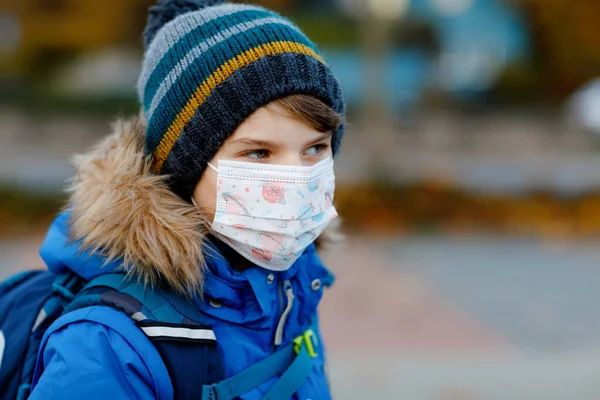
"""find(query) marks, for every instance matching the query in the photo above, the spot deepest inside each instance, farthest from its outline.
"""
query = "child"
(212, 199)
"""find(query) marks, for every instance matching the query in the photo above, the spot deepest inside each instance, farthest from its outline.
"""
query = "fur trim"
(120, 209)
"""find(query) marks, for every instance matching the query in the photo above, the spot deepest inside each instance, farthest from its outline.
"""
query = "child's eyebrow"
(253, 142)
(270, 145)
(324, 136)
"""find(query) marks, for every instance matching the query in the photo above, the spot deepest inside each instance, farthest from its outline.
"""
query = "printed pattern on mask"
(270, 214)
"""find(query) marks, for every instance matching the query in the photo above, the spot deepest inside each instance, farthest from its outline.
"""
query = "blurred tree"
(49, 31)
(50, 28)
(566, 34)
(416, 33)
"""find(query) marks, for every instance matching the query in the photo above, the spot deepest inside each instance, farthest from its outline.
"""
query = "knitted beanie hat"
(208, 65)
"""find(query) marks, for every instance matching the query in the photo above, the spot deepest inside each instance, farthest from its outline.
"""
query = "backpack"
(31, 301)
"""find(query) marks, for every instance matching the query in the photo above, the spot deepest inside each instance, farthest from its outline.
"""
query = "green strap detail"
(294, 362)
(251, 377)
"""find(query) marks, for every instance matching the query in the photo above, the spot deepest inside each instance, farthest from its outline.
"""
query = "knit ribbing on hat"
(206, 71)
(166, 10)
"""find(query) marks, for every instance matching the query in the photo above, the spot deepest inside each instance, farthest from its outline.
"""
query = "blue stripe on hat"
(205, 28)
(176, 98)
(200, 50)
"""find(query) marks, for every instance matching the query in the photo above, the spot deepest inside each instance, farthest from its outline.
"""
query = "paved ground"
(454, 319)
(465, 319)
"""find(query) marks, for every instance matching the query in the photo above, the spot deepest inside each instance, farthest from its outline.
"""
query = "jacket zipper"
(289, 293)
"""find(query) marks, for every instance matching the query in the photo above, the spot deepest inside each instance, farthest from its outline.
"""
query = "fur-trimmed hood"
(120, 210)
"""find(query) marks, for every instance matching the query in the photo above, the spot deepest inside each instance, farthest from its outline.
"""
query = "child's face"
(269, 136)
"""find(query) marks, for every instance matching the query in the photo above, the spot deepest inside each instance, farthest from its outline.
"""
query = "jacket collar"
(245, 296)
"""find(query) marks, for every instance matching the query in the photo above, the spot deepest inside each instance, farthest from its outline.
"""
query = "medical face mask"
(270, 213)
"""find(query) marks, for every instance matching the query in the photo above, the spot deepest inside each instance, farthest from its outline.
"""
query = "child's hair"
(311, 111)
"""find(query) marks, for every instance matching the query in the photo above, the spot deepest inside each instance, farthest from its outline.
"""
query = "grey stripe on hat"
(201, 48)
(188, 22)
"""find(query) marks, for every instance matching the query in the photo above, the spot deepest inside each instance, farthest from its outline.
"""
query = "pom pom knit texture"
(206, 71)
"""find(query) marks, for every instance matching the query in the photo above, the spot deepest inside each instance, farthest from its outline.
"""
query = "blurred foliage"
(438, 207)
(43, 102)
(51, 30)
(520, 84)
(381, 209)
(566, 36)
(416, 33)
(334, 31)
(22, 212)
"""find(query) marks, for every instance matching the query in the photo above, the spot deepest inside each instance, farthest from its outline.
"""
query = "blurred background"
(468, 181)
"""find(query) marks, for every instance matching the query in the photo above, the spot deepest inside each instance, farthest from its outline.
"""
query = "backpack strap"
(63, 290)
(190, 353)
(187, 346)
(294, 362)
(291, 380)
(137, 302)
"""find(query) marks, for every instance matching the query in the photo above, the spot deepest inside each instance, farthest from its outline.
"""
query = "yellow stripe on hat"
(225, 71)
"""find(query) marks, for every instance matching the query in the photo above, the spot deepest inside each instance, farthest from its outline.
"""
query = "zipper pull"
(289, 293)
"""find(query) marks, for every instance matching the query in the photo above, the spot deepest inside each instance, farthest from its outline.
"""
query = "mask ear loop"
(214, 169)
(206, 222)
(194, 201)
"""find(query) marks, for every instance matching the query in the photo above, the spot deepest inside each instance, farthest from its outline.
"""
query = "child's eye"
(256, 154)
(316, 149)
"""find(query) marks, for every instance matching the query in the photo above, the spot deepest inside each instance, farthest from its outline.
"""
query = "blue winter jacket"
(98, 352)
